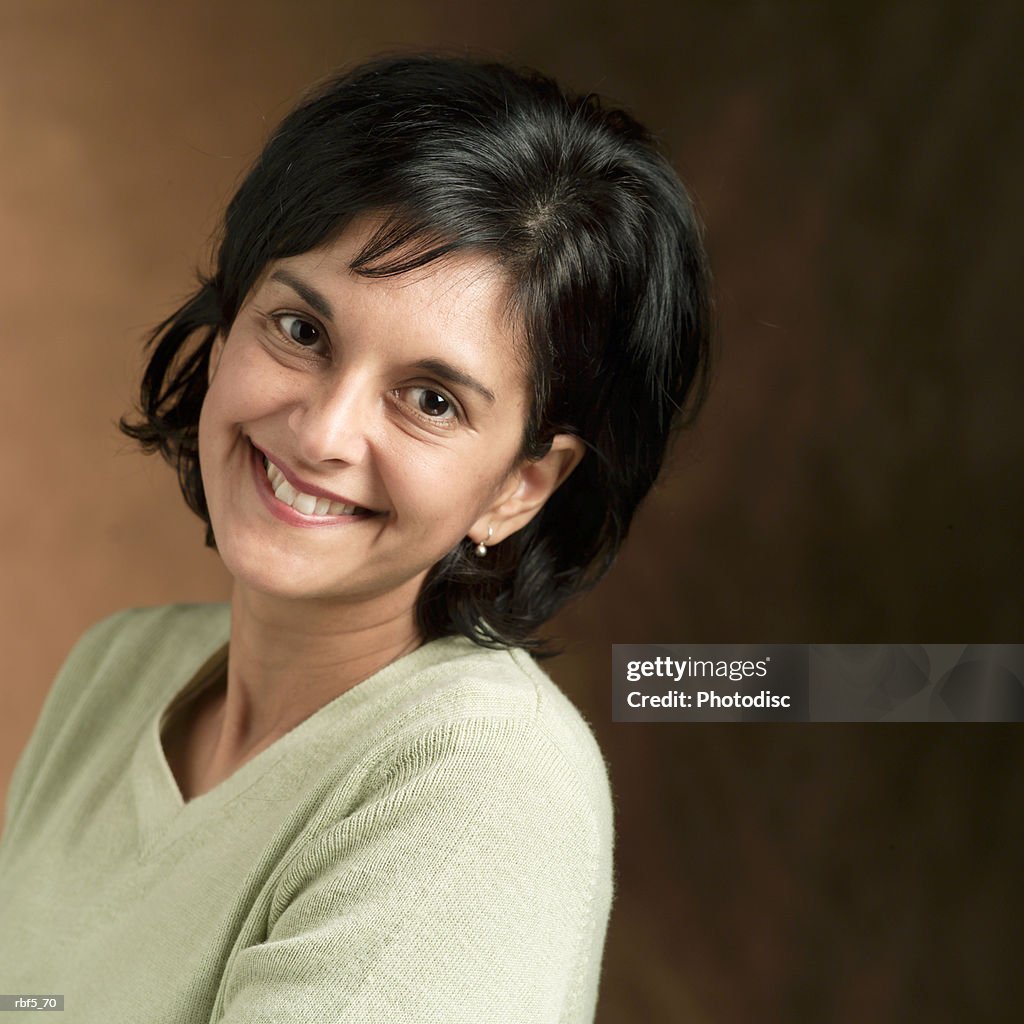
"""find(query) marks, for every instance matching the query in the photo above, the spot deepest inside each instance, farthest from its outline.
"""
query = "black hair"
(609, 284)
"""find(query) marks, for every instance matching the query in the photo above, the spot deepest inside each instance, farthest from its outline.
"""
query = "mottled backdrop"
(856, 477)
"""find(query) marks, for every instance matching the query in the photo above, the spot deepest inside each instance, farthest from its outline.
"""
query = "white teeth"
(307, 504)
(286, 493)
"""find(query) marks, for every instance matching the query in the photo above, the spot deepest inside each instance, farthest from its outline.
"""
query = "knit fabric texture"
(434, 845)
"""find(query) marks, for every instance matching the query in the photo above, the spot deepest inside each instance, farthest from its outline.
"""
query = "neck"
(288, 659)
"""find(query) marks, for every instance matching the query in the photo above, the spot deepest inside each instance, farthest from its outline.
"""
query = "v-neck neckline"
(163, 813)
(159, 801)
(184, 716)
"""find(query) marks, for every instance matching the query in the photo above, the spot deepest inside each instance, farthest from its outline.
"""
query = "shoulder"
(120, 644)
(141, 624)
(195, 620)
(453, 678)
(490, 715)
(98, 683)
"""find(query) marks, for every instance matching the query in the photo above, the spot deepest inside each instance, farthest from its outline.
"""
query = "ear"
(526, 490)
(215, 353)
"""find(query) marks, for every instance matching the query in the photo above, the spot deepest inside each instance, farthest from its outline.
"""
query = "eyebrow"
(453, 375)
(305, 292)
(439, 367)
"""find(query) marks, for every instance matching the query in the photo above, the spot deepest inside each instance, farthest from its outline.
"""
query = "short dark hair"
(609, 283)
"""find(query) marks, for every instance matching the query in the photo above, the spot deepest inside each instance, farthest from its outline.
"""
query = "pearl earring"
(481, 548)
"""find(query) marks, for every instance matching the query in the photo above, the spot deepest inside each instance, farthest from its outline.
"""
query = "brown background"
(856, 477)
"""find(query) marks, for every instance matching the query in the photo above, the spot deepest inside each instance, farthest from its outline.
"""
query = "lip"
(292, 516)
(307, 488)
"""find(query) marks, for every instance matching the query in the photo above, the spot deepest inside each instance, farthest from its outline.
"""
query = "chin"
(259, 568)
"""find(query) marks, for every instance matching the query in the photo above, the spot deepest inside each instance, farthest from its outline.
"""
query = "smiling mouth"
(307, 504)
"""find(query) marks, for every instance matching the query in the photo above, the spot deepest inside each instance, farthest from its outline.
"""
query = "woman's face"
(394, 408)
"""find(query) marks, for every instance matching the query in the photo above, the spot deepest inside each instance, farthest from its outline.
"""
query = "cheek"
(241, 388)
(448, 494)
(228, 403)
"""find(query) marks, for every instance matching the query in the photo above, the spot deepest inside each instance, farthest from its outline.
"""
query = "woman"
(455, 315)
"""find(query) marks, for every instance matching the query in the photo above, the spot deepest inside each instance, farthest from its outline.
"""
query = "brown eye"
(428, 404)
(432, 403)
(302, 332)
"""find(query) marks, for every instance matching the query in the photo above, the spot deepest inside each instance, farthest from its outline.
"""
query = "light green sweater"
(433, 845)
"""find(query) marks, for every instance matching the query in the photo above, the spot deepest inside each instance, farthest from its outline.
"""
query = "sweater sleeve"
(460, 888)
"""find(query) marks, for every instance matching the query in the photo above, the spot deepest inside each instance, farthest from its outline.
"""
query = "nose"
(331, 422)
